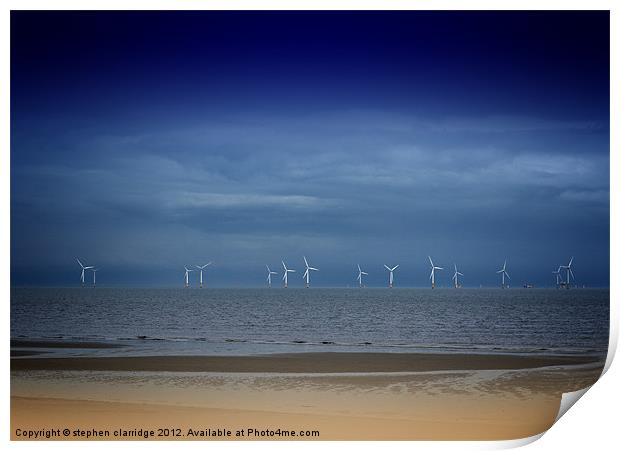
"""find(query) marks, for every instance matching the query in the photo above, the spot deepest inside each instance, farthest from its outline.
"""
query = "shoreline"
(307, 362)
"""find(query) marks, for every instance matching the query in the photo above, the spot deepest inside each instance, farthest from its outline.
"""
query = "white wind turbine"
(569, 272)
(286, 271)
(503, 273)
(455, 277)
(433, 268)
(94, 270)
(269, 273)
(360, 274)
(201, 268)
(187, 271)
(558, 276)
(307, 273)
(83, 268)
(391, 279)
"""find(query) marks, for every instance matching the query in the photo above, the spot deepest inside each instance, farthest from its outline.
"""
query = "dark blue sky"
(145, 141)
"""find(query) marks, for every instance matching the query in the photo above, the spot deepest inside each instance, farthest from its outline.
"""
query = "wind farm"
(559, 281)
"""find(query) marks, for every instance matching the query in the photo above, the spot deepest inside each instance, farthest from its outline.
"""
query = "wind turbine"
(94, 270)
(360, 274)
(391, 270)
(569, 272)
(503, 273)
(455, 277)
(187, 271)
(558, 276)
(307, 273)
(269, 273)
(83, 268)
(286, 271)
(201, 268)
(433, 268)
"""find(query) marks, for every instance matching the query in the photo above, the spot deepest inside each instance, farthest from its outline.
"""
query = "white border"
(591, 425)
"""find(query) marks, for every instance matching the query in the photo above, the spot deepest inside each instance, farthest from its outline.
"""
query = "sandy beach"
(343, 396)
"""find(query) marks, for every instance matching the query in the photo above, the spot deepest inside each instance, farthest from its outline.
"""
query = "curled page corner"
(568, 400)
(519, 442)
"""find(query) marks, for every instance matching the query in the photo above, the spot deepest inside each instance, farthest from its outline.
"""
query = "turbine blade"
(507, 274)
(305, 261)
(387, 267)
(395, 267)
(429, 259)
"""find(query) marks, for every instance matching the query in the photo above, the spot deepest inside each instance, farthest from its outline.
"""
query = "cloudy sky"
(142, 142)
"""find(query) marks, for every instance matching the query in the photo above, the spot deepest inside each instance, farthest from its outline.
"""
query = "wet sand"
(344, 396)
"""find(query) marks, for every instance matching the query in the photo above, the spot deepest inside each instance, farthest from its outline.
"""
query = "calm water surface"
(253, 321)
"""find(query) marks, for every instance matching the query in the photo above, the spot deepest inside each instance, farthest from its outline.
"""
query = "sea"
(227, 321)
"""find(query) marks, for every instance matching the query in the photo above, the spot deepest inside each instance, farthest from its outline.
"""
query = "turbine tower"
(286, 271)
(360, 274)
(201, 268)
(433, 268)
(558, 276)
(391, 279)
(455, 277)
(269, 273)
(307, 273)
(83, 269)
(187, 271)
(569, 272)
(94, 270)
(503, 273)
